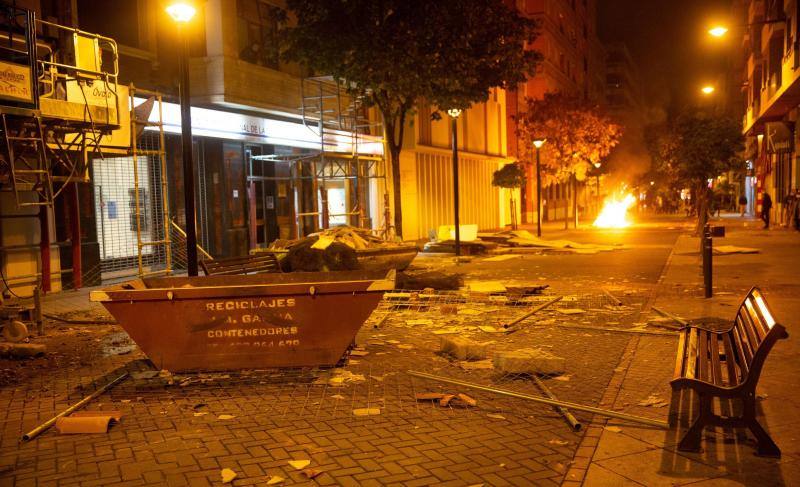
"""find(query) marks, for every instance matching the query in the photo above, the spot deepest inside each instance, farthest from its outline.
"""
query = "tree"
(698, 146)
(578, 136)
(396, 52)
(510, 176)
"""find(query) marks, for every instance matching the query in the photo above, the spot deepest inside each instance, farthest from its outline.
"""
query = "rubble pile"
(334, 249)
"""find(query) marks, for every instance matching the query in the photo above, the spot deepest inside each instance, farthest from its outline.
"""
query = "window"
(118, 19)
(259, 23)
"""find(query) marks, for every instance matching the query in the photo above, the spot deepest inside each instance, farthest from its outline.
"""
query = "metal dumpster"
(245, 322)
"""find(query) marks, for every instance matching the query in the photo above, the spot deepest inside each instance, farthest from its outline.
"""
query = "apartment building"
(771, 88)
(574, 64)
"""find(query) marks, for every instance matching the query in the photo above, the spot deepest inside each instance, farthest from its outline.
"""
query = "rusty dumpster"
(245, 322)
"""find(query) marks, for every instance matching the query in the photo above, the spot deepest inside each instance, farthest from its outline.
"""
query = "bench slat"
(730, 361)
(681, 360)
(755, 320)
(691, 355)
(747, 334)
(702, 355)
(744, 355)
(715, 361)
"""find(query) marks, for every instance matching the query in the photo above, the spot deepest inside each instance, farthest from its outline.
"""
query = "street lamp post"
(538, 144)
(597, 176)
(183, 12)
(454, 114)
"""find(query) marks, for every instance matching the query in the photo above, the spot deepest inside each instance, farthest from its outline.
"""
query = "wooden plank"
(745, 356)
(756, 320)
(681, 359)
(716, 368)
(748, 334)
(730, 361)
(702, 355)
(691, 355)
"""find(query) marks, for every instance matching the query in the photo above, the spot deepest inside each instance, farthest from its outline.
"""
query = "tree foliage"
(693, 147)
(398, 51)
(509, 176)
(577, 134)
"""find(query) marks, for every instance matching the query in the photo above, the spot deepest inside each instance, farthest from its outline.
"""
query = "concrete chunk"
(463, 349)
(528, 361)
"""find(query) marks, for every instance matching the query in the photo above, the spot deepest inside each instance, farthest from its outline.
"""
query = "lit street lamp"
(182, 13)
(718, 31)
(454, 114)
(538, 144)
(707, 89)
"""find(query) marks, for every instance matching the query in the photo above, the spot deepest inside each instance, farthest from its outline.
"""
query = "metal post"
(75, 235)
(37, 310)
(455, 183)
(575, 199)
(707, 261)
(188, 165)
(44, 246)
(538, 194)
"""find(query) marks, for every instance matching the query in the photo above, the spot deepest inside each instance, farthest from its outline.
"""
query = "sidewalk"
(626, 454)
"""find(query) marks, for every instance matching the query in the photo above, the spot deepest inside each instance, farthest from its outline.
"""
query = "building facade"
(771, 87)
(573, 64)
(271, 159)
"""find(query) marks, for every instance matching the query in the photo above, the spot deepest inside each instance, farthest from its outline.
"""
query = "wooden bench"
(248, 264)
(727, 364)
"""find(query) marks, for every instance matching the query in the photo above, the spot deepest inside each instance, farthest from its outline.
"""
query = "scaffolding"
(350, 149)
(59, 103)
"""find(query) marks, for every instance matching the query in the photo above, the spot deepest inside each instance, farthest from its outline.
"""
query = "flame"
(615, 212)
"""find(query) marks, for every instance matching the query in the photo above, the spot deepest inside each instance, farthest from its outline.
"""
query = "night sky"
(669, 41)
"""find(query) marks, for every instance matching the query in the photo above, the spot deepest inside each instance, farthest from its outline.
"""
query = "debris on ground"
(299, 464)
(732, 249)
(476, 365)
(654, 401)
(613, 429)
(488, 287)
(87, 422)
(312, 473)
(444, 400)
(558, 442)
(523, 238)
(528, 361)
(495, 416)
(463, 348)
(227, 475)
(341, 377)
(225, 416)
(337, 249)
(275, 480)
(438, 280)
(22, 350)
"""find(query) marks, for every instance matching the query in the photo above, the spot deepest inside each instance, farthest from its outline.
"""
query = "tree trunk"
(702, 208)
(394, 154)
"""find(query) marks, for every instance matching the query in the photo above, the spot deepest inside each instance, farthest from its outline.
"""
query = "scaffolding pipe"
(50, 422)
(543, 400)
(573, 422)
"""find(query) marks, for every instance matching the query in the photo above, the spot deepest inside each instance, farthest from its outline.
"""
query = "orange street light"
(718, 31)
(707, 90)
(181, 12)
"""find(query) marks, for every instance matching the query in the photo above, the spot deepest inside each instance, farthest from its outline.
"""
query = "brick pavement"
(165, 439)
(643, 456)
